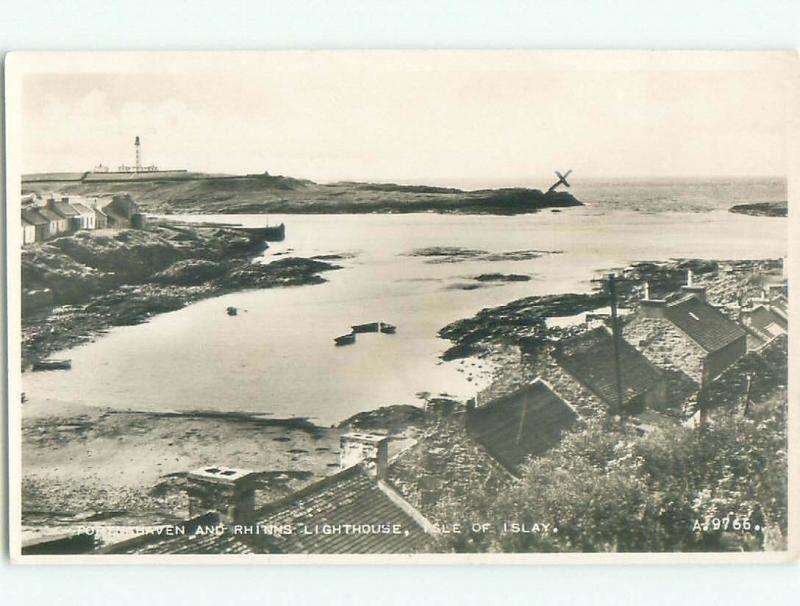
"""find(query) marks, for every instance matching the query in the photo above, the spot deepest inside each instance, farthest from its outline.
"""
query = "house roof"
(350, 497)
(525, 423)
(780, 305)
(34, 217)
(49, 214)
(26, 223)
(589, 358)
(63, 208)
(124, 205)
(83, 210)
(764, 320)
(704, 324)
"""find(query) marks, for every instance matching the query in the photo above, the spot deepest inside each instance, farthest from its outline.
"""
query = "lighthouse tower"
(138, 146)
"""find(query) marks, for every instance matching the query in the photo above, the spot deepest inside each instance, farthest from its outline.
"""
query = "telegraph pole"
(747, 395)
(702, 399)
(617, 338)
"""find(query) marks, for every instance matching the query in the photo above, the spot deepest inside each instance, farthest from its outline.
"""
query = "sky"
(418, 117)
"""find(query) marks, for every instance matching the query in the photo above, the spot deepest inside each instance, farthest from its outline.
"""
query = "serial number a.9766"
(729, 522)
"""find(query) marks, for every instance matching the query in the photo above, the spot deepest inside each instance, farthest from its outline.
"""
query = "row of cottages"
(666, 351)
(69, 214)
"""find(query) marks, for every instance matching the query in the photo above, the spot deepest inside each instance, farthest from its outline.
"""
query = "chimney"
(691, 289)
(369, 449)
(228, 492)
(651, 308)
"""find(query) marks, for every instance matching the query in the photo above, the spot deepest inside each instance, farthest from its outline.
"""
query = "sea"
(277, 356)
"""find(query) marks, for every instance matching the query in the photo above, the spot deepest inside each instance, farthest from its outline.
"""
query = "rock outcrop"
(94, 280)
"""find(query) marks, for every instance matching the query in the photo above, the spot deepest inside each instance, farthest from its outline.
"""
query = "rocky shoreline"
(76, 287)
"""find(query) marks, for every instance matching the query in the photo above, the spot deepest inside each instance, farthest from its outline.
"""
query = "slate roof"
(704, 324)
(83, 210)
(766, 322)
(525, 423)
(589, 357)
(64, 209)
(348, 497)
(33, 217)
(49, 214)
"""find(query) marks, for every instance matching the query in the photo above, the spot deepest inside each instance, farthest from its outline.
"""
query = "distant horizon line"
(443, 181)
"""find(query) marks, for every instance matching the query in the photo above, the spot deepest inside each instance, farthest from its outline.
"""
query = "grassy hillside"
(196, 193)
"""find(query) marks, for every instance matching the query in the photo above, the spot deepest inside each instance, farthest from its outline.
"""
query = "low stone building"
(58, 223)
(522, 424)
(63, 208)
(687, 335)
(123, 212)
(86, 218)
(467, 453)
(589, 359)
(43, 227)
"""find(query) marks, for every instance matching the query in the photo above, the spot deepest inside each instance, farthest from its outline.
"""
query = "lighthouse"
(137, 165)
(138, 146)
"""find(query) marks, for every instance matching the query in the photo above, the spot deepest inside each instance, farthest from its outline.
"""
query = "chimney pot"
(369, 449)
(223, 490)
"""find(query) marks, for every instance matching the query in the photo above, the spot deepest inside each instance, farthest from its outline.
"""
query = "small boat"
(232, 311)
(345, 339)
(270, 233)
(52, 364)
(369, 327)
(388, 329)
